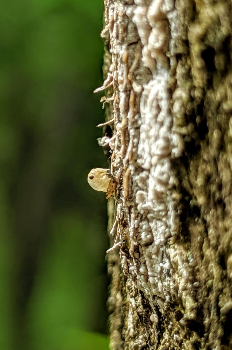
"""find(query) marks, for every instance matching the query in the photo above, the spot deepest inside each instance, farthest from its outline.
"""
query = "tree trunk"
(169, 87)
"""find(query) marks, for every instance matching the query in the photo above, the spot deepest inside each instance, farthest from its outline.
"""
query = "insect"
(101, 180)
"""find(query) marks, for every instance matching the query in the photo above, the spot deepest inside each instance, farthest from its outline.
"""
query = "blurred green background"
(53, 284)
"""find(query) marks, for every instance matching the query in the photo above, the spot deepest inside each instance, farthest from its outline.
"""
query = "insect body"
(101, 180)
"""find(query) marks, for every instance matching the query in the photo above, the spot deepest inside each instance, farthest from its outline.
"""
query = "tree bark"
(169, 87)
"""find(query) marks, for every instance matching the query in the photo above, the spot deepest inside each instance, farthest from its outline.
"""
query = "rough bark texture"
(169, 88)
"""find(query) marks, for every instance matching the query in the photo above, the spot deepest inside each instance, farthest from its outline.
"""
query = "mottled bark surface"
(169, 88)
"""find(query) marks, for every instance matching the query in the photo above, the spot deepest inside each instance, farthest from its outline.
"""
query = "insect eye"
(91, 177)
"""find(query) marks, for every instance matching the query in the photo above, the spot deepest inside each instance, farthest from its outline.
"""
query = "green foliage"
(52, 244)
